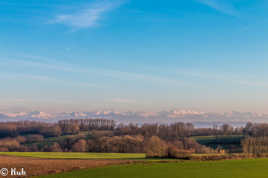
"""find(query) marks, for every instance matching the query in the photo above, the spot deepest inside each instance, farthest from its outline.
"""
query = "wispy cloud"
(47, 64)
(87, 16)
(242, 80)
(113, 74)
(223, 6)
(46, 78)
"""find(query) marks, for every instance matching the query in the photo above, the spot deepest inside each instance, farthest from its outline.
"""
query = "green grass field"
(257, 168)
(58, 155)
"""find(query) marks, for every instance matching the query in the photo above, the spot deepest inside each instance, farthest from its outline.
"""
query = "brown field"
(36, 166)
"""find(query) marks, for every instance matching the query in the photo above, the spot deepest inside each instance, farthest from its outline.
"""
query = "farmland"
(251, 168)
(101, 165)
(43, 166)
(62, 155)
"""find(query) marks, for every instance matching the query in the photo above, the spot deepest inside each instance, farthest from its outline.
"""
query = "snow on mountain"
(164, 117)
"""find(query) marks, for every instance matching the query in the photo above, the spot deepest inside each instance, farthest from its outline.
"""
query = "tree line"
(101, 135)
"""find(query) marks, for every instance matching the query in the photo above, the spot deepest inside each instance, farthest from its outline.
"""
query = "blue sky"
(83, 55)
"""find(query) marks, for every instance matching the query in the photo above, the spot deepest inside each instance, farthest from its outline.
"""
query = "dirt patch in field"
(36, 166)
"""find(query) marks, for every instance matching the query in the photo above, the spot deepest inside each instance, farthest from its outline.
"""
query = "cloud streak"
(88, 16)
(241, 80)
(46, 78)
(44, 63)
(222, 6)
(249, 80)
(113, 74)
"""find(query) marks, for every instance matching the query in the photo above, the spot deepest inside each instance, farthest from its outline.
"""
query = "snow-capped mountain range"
(200, 119)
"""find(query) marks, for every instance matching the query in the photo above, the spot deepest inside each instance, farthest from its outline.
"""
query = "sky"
(133, 55)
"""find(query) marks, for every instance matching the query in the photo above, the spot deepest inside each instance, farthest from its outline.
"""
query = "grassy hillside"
(64, 155)
(220, 169)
